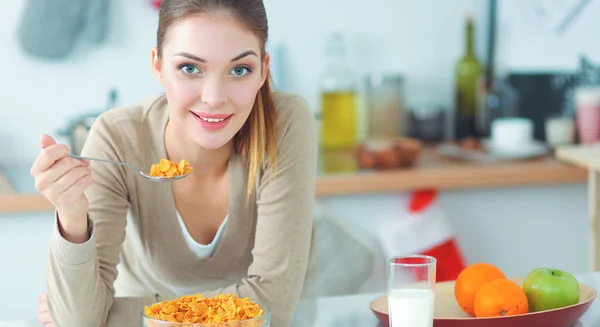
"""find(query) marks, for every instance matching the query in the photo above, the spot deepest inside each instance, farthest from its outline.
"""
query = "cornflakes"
(166, 168)
(200, 309)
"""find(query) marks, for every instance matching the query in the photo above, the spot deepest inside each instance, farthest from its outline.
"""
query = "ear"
(156, 66)
(265, 68)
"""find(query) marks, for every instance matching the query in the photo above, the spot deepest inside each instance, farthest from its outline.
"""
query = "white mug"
(511, 134)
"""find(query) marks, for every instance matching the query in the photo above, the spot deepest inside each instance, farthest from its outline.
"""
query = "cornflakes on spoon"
(167, 168)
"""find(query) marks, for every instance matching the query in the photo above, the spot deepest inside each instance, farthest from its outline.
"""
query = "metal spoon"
(152, 178)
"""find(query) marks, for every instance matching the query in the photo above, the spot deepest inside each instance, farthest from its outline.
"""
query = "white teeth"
(212, 120)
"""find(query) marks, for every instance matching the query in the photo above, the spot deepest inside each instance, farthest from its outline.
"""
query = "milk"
(411, 307)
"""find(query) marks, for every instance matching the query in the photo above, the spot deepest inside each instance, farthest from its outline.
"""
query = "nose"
(213, 92)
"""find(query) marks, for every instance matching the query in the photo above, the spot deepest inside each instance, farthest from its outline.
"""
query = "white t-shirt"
(202, 250)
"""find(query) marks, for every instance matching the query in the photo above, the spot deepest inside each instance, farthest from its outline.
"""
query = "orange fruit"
(501, 297)
(470, 280)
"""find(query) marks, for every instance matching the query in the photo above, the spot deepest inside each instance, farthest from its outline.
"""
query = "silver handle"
(108, 161)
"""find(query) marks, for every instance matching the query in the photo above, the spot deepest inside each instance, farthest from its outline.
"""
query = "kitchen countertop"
(354, 311)
(431, 171)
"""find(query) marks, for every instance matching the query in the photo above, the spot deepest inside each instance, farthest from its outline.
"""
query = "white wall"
(422, 43)
(527, 43)
(23, 267)
(39, 96)
(516, 228)
(421, 39)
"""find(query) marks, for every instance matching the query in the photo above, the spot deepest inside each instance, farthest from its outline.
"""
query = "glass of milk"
(411, 290)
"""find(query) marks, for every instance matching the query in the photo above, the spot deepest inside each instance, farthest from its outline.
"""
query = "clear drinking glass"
(411, 290)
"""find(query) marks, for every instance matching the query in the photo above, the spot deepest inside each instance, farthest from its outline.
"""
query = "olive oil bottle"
(338, 99)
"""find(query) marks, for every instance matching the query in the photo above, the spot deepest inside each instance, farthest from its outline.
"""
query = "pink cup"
(587, 102)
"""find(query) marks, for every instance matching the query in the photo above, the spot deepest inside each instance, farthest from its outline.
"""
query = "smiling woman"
(240, 223)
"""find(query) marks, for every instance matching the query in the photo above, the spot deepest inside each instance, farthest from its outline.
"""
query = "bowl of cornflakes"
(223, 310)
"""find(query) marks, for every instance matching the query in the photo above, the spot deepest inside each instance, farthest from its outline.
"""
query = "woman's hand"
(63, 181)
(43, 313)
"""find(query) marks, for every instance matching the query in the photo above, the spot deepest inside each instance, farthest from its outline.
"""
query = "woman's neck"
(205, 162)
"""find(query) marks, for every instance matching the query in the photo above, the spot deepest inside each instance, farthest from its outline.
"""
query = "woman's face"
(211, 70)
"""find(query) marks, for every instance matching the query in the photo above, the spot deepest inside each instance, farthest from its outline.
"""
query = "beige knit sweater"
(137, 253)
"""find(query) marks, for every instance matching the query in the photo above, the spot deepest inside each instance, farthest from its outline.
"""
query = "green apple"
(548, 289)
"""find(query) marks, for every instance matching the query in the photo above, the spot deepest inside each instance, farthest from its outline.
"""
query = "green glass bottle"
(468, 74)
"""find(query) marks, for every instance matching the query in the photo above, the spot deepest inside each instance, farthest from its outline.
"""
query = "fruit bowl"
(447, 313)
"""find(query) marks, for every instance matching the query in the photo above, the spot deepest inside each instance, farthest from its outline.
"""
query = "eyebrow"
(196, 58)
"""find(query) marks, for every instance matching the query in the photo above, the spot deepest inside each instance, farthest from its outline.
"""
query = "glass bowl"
(263, 320)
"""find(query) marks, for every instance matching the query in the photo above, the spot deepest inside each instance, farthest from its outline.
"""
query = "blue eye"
(241, 71)
(189, 69)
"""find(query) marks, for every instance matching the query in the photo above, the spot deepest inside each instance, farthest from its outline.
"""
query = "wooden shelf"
(434, 171)
(431, 171)
(21, 203)
(584, 156)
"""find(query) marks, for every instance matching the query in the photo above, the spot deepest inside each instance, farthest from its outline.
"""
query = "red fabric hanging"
(421, 199)
(450, 260)
(155, 3)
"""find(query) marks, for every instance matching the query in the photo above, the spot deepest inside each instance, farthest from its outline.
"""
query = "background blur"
(541, 50)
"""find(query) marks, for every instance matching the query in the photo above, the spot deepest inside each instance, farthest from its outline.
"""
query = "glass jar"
(384, 95)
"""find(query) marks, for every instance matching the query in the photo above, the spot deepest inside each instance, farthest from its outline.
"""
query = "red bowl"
(447, 313)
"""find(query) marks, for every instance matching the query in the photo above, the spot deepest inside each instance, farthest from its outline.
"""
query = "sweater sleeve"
(80, 277)
(284, 227)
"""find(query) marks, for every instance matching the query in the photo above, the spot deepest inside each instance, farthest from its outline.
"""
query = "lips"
(209, 115)
(212, 118)
(211, 121)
